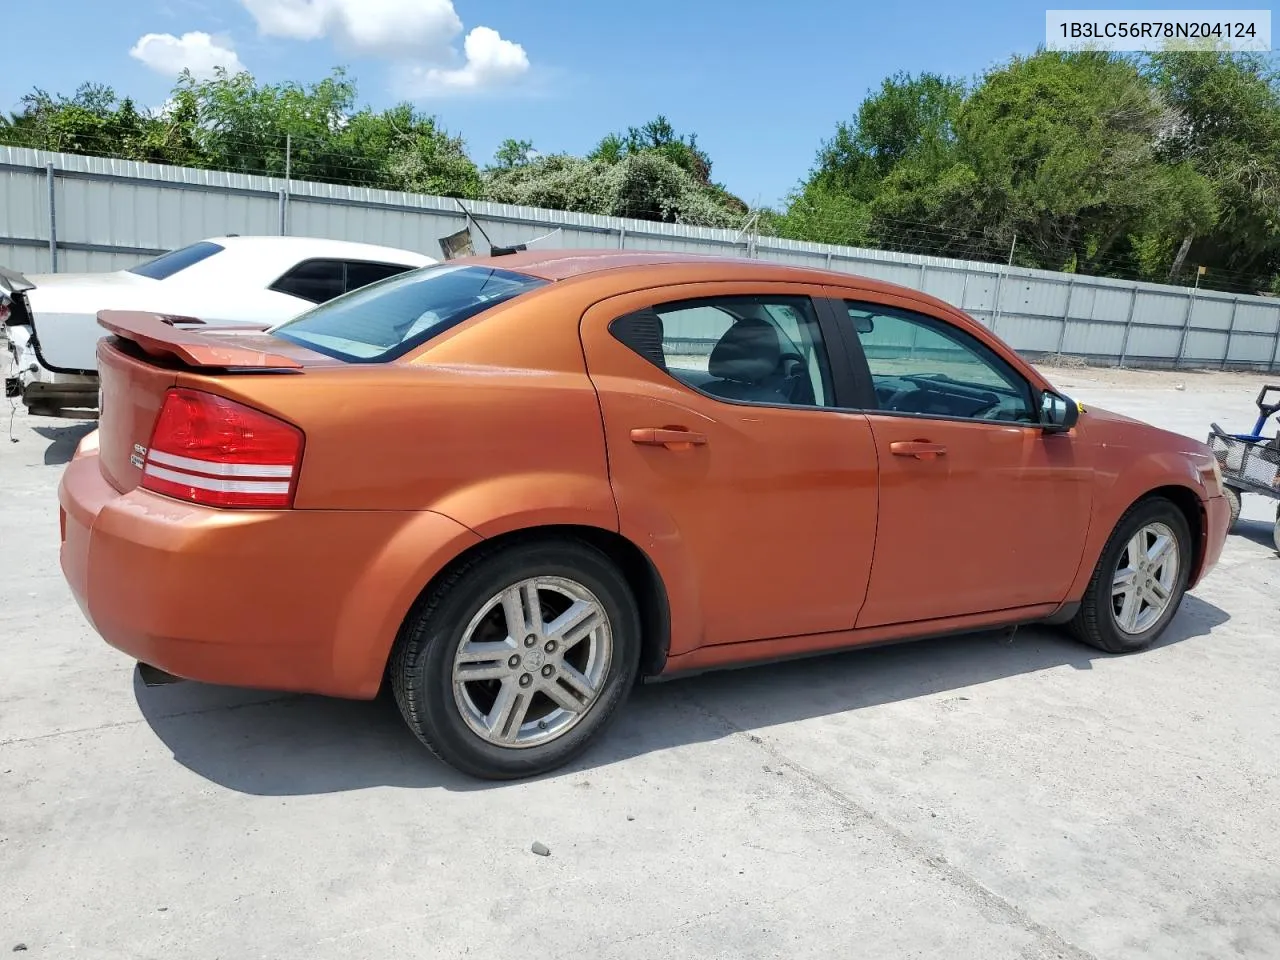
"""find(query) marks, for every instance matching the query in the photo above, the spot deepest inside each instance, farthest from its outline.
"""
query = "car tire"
(1124, 622)
(1232, 496)
(494, 727)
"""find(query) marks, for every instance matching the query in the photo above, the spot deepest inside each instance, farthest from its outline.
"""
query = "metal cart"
(1250, 462)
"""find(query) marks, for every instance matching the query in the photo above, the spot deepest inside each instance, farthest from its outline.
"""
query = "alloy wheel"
(1146, 578)
(532, 662)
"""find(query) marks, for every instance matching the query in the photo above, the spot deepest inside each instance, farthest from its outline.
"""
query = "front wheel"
(518, 658)
(1139, 580)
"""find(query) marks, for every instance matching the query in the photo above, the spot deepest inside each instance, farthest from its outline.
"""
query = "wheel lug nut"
(525, 679)
(513, 662)
(551, 646)
(548, 670)
(530, 640)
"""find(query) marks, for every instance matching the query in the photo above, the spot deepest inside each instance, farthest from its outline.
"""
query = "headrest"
(747, 353)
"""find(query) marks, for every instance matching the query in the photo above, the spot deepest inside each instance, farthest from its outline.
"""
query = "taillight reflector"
(210, 450)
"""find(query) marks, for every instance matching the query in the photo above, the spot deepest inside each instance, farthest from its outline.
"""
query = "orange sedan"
(508, 487)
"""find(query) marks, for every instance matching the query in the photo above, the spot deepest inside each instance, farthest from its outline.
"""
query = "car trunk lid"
(146, 355)
(62, 309)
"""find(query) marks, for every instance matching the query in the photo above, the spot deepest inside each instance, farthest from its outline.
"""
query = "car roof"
(290, 248)
(557, 265)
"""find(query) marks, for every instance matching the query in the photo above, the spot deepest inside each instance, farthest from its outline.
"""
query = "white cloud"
(198, 52)
(491, 62)
(389, 28)
(419, 36)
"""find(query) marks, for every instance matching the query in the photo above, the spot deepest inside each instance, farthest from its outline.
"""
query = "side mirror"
(1058, 414)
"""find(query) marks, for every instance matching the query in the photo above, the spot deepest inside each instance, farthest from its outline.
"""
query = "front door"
(980, 509)
(731, 458)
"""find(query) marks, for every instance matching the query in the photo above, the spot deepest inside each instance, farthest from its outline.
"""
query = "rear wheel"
(1232, 496)
(518, 658)
(1139, 580)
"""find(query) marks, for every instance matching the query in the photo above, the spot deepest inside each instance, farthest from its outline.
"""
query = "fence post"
(49, 176)
(1066, 316)
(1275, 345)
(1128, 326)
(284, 211)
(622, 237)
(1186, 326)
(995, 307)
(1231, 328)
(920, 282)
(828, 259)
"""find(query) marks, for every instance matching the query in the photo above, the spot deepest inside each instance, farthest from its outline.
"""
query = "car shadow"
(287, 745)
(1259, 531)
(64, 440)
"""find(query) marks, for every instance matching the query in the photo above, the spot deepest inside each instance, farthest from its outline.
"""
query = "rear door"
(729, 450)
(980, 509)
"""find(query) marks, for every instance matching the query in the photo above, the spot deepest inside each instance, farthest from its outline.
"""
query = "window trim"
(838, 369)
(862, 367)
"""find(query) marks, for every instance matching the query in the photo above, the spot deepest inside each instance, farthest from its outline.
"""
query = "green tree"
(1226, 127)
(1062, 151)
(910, 120)
(513, 153)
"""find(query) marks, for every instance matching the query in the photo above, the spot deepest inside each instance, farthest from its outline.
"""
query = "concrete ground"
(979, 797)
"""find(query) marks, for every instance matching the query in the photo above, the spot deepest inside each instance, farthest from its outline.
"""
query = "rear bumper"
(298, 600)
(43, 391)
(1217, 514)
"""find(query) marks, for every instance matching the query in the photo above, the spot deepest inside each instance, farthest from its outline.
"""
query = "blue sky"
(762, 83)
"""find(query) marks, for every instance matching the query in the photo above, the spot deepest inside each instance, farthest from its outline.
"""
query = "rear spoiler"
(156, 334)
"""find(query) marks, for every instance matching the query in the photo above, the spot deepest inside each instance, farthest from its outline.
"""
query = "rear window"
(391, 317)
(167, 264)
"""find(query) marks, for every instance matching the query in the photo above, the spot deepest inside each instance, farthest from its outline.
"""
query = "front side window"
(924, 366)
(389, 318)
(167, 264)
(751, 349)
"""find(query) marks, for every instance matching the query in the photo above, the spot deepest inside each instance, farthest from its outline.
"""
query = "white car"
(52, 324)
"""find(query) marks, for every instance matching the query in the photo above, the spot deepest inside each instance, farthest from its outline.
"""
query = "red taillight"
(211, 450)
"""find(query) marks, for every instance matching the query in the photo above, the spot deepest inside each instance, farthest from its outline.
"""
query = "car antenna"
(493, 250)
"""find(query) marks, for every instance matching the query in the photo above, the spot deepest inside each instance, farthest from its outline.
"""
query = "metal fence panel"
(1257, 317)
(1248, 347)
(1212, 311)
(1154, 343)
(112, 213)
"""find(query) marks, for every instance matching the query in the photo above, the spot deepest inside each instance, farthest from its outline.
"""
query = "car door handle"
(920, 449)
(665, 437)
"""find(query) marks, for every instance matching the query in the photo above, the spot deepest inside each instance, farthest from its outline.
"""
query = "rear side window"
(361, 273)
(167, 264)
(751, 349)
(321, 280)
(387, 319)
(314, 280)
